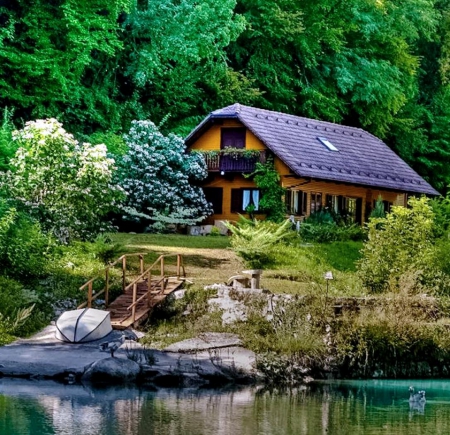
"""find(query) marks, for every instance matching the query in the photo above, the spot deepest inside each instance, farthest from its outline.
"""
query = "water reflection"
(372, 407)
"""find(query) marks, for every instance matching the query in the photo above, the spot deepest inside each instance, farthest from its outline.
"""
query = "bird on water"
(418, 397)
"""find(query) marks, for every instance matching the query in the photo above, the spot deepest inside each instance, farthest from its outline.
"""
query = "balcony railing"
(233, 161)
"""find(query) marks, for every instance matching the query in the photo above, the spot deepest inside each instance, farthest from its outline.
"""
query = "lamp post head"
(328, 275)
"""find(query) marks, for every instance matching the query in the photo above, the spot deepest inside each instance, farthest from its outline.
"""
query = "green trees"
(58, 59)
(401, 250)
(66, 185)
(175, 57)
(96, 66)
(158, 177)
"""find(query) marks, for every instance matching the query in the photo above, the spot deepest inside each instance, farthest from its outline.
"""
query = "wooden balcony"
(233, 162)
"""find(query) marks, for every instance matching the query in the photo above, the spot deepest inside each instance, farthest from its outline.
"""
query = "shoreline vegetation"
(384, 314)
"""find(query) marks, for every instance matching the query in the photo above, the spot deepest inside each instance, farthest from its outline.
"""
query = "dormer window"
(327, 143)
(232, 138)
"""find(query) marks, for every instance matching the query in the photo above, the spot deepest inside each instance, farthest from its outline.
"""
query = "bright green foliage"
(330, 232)
(57, 59)
(378, 64)
(255, 241)
(7, 146)
(401, 248)
(66, 185)
(378, 210)
(176, 58)
(347, 61)
(441, 210)
(24, 248)
(267, 180)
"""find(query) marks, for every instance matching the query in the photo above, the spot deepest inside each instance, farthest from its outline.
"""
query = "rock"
(233, 310)
(112, 370)
(179, 294)
(206, 341)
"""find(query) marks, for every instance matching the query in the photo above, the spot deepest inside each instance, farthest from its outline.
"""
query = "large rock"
(112, 370)
(205, 341)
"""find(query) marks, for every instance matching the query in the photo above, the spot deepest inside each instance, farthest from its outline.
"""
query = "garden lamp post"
(328, 277)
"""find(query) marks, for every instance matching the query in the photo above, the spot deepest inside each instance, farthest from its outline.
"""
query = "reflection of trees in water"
(18, 415)
(323, 409)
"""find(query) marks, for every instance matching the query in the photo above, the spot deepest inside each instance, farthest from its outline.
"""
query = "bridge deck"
(121, 317)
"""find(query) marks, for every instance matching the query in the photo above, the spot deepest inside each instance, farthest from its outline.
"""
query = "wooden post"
(124, 268)
(89, 304)
(133, 310)
(162, 273)
(141, 263)
(149, 287)
(178, 265)
(106, 288)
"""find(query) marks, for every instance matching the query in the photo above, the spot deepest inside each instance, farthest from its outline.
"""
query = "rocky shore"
(209, 360)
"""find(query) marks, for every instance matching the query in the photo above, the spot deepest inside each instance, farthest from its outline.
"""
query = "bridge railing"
(158, 285)
(104, 278)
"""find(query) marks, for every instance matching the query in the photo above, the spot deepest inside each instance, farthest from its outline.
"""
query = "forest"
(382, 65)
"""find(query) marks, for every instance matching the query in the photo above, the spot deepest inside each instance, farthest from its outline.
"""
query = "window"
(243, 198)
(316, 202)
(353, 209)
(327, 143)
(335, 203)
(296, 202)
(214, 195)
(232, 138)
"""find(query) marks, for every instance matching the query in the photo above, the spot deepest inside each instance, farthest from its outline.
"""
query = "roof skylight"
(327, 143)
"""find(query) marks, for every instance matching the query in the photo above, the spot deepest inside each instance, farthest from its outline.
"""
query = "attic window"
(327, 143)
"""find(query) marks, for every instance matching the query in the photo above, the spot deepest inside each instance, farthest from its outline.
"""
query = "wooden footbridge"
(139, 292)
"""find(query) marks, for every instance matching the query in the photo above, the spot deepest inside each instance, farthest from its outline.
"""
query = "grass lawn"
(298, 269)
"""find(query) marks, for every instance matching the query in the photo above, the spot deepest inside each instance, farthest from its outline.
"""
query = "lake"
(322, 408)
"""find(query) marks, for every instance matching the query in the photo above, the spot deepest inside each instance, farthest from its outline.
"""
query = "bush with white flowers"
(65, 184)
(158, 175)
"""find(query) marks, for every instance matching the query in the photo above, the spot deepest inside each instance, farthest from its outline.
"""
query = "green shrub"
(14, 296)
(402, 245)
(441, 210)
(25, 249)
(330, 232)
(215, 232)
(397, 339)
(105, 250)
(255, 241)
(378, 211)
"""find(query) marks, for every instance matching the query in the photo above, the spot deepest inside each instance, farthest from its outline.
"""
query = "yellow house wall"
(368, 195)
(210, 140)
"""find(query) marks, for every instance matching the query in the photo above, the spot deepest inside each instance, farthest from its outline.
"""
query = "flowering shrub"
(157, 175)
(66, 185)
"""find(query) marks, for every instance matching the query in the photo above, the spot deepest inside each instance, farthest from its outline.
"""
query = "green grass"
(297, 269)
(341, 256)
(163, 241)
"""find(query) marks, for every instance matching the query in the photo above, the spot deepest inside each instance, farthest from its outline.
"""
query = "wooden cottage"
(321, 164)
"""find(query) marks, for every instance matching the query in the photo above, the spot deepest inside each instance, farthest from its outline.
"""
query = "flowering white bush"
(66, 185)
(157, 175)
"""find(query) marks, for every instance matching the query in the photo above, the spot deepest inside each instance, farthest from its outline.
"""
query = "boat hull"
(81, 326)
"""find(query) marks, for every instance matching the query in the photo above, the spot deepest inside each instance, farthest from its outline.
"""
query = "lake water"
(344, 407)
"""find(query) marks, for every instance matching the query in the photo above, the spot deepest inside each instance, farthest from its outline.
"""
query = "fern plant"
(254, 240)
(9, 326)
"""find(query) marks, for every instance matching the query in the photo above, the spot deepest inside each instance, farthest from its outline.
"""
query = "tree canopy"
(96, 66)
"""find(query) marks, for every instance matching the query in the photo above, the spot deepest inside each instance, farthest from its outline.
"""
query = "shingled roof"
(299, 142)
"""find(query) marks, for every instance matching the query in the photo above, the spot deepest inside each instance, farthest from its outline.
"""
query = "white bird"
(418, 397)
(112, 346)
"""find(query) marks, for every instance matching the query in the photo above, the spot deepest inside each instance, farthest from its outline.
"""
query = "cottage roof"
(303, 144)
